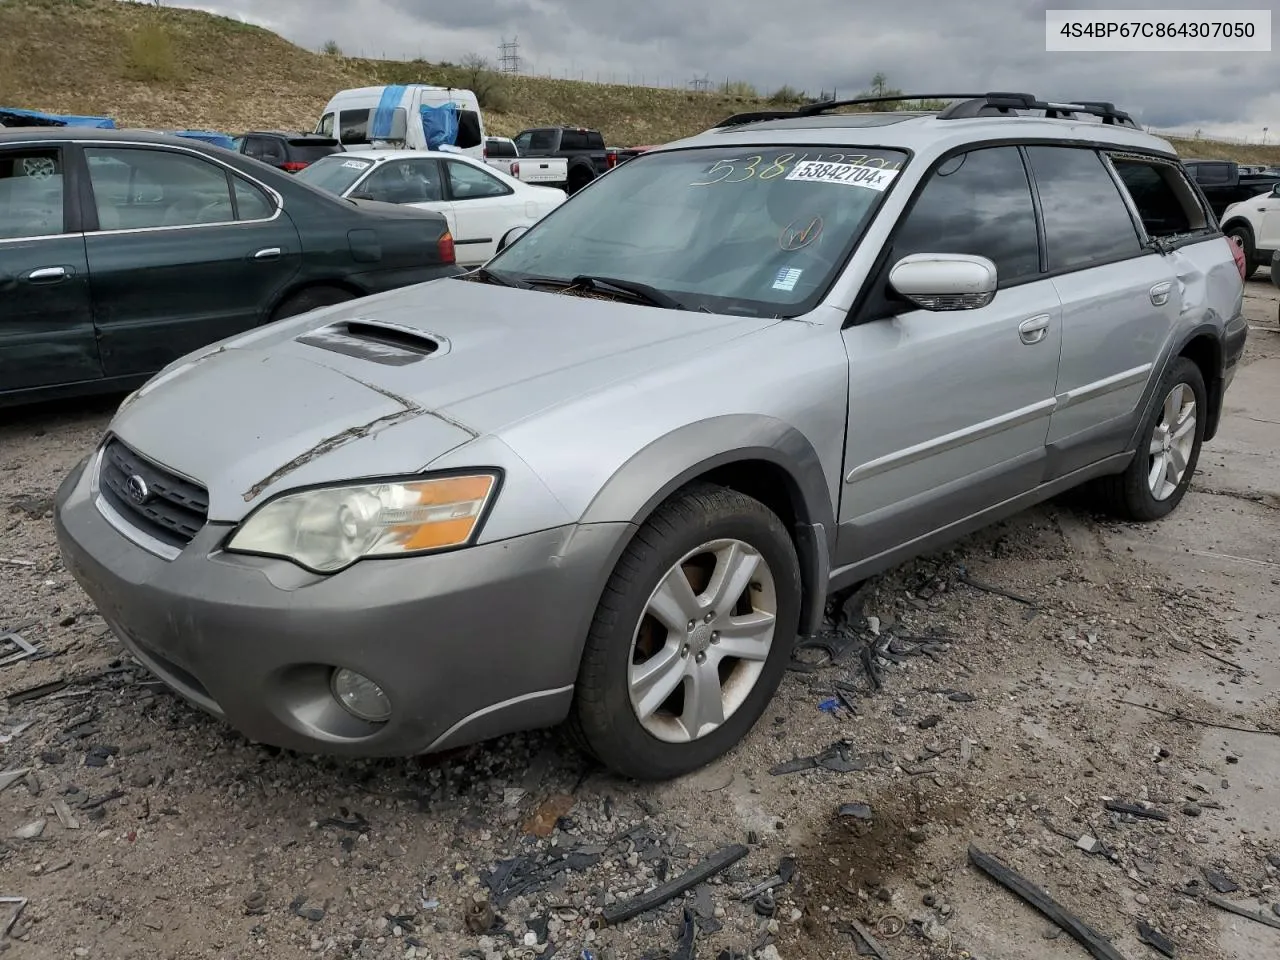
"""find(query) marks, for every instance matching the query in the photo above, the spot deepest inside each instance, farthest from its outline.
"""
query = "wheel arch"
(762, 457)
(1202, 345)
(301, 286)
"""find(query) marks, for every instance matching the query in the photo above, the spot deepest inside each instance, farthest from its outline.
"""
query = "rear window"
(501, 148)
(595, 140)
(310, 150)
(536, 141)
(353, 126)
(334, 174)
(468, 130)
(1212, 173)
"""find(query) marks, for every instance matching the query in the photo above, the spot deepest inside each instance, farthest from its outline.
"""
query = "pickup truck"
(501, 153)
(584, 150)
(1225, 182)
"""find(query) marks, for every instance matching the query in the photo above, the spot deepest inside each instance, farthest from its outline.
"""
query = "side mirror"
(944, 281)
(511, 236)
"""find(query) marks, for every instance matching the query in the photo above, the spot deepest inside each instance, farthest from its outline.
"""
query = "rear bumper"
(467, 645)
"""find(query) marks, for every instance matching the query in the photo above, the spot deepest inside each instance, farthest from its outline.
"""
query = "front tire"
(1158, 477)
(1244, 236)
(691, 637)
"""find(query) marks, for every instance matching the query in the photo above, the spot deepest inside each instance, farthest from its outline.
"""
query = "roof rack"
(969, 105)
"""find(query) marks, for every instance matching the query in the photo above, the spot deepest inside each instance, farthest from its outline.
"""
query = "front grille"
(159, 503)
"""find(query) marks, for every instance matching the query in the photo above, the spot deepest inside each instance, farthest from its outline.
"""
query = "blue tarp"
(224, 140)
(380, 128)
(439, 124)
(13, 117)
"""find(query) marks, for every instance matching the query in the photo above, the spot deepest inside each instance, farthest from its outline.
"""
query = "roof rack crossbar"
(964, 106)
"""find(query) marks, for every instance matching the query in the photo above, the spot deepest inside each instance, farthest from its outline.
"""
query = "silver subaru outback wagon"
(611, 476)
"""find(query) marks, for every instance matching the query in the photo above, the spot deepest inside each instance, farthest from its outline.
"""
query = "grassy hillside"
(165, 67)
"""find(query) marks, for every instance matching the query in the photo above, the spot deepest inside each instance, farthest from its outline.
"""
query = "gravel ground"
(145, 829)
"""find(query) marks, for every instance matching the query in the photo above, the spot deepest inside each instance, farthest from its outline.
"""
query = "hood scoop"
(390, 344)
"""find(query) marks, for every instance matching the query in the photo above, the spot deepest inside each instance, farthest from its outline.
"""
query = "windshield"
(744, 230)
(335, 173)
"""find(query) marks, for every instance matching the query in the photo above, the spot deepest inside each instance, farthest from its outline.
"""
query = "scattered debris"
(1155, 939)
(31, 831)
(1219, 881)
(479, 916)
(1090, 939)
(891, 926)
(929, 722)
(688, 936)
(347, 821)
(1192, 809)
(11, 638)
(543, 823)
(1089, 845)
(766, 905)
(65, 816)
(11, 562)
(18, 904)
(1240, 910)
(255, 904)
(857, 811)
(1135, 810)
(710, 867)
(860, 931)
(1200, 723)
(968, 581)
(786, 870)
(10, 777)
(314, 914)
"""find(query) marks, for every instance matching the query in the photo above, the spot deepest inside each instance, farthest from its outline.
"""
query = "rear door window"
(595, 140)
(410, 180)
(573, 140)
(978, 203)
(472, 183)
(353, 126)
(31, 194)
(139, 188)
(1086, 220)
(1166, 203)
(536, 141)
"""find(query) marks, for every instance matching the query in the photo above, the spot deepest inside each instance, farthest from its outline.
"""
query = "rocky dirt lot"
(990, 699)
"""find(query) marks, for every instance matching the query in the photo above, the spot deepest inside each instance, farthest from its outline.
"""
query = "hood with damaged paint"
(383, 385)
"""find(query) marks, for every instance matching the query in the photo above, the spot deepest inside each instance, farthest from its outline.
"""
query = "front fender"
(695, 450)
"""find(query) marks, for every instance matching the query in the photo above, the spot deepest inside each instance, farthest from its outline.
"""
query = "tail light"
(1237, 251)
(611, 159)
(515, 169)
(445, 247)
(292, 166)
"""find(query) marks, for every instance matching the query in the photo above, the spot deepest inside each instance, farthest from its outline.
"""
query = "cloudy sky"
(921, 45)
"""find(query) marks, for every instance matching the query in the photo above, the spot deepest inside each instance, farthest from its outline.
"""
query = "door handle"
(47, 275)
(1035, 329)
(268, 253)
(1160, 293)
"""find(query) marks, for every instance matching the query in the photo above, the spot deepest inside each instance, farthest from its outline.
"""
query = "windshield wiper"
(641, 291)
(490, 276)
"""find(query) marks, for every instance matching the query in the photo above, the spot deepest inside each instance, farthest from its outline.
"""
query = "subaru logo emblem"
(137, 489)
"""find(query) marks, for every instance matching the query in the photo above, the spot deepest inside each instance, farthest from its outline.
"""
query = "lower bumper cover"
(467, 645)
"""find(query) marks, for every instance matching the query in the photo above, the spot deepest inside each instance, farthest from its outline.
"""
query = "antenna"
(509, 55)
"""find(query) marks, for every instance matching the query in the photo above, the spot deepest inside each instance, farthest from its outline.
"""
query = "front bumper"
(467, 645)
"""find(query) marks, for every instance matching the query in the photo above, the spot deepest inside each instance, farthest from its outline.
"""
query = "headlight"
(329, 529)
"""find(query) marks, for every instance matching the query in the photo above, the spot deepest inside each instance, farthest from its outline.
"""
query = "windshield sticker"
(356, 164)
(850, 174)
(742, 169)
(798, 234)
(787, 278)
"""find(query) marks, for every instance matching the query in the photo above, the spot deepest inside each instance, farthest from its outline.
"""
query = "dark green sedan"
(121, 251)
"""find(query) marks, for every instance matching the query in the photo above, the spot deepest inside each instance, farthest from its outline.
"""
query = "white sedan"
(481, 203)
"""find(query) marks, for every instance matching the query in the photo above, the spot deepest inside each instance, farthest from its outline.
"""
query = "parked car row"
(609, 477)
(121, 250)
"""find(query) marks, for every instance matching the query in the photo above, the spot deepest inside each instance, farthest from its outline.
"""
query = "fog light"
(360, 696)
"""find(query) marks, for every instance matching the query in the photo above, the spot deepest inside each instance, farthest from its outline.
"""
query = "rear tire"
(578, 178)
(1244, 235)
(642, 685)
(312, 298)
(1151, 487)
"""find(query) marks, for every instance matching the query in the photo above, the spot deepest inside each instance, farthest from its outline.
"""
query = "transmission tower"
(509, 55)
(700, 84)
